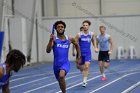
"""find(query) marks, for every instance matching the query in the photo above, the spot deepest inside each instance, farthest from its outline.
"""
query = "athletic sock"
(85, 80)
(103, 75)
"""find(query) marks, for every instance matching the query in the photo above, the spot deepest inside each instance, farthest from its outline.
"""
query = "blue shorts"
(86, 57)
(103, 56)
(65, 67)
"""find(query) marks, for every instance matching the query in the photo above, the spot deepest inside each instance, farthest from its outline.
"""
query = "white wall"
(127, 24)
(30, 10)
(24, 9)
(121, 7)
(50, 8)
(66, 8)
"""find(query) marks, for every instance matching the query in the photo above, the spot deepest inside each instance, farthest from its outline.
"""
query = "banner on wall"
(1, 43)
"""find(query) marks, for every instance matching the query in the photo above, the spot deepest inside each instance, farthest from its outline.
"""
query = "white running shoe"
(84, 84)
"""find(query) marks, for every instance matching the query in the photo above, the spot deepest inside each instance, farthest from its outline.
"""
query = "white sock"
(103, 74)
(85, 79)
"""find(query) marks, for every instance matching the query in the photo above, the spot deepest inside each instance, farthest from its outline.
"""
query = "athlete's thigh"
(83, 60)
(88, 57)
(106, 60)
(65, 67)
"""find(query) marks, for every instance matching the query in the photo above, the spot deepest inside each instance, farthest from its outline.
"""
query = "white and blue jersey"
(85, 43)
(5, 78)
(61, 51)
(103, 42)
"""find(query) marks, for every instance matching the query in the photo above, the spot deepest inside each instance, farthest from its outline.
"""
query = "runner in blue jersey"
(105, 49)
(14, 61)
(60, 45)
(84, 39)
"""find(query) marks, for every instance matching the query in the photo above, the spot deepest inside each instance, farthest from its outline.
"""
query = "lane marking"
(131, 88)
(48, 84)
(113, 82)
(81, 83)
(56, 82)
(25, 77)
(28, 82)
(93, 79)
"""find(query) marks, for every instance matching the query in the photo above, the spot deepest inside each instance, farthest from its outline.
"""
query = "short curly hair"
(15, 57)
(59, 22)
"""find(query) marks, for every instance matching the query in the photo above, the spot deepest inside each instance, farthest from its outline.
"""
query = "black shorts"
(103, 56)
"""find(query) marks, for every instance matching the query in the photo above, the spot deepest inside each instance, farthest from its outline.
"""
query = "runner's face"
(102, 30)
(60, 29)
(85, 26)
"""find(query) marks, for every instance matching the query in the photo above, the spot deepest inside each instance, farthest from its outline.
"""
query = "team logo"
(86, 39)
(62, 46)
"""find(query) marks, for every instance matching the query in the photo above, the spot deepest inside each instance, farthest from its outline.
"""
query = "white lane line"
(17, 75)
(27, 77)
(32, 73)
(113, 82)
(69, 73)
(41, 79)
(93, 79)
(80, 83)
(49, 84)
(33, 80)
(131, 88)
(29, 82)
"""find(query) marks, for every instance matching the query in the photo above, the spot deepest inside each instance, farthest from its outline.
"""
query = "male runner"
(15, 59)
(84, 39)
(105, 49)
(60, 45)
